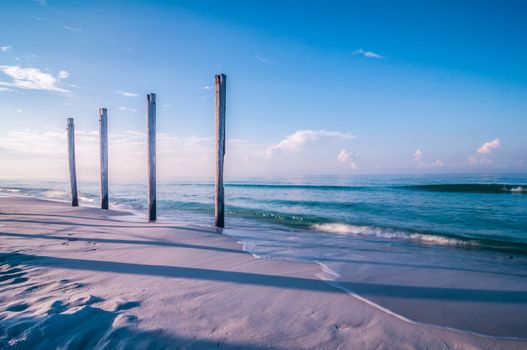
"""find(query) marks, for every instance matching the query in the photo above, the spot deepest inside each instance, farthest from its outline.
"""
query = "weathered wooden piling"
(151, 144)
(71, 158)
(103, 136)
(219, 205)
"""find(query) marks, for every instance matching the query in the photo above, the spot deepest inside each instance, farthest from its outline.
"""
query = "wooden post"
(219, 205)
(103, 136)
(71, 157)
(151, 135)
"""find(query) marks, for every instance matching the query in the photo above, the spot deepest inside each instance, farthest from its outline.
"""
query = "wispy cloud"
(74, 29)
(42, 19)
(207, 87)
(127, 109)
(349, 158)
(488, 147)
(6, 48)
(482, 155)
(126, 93)
(418, 156)
(48, 148)
(192, 141)
(367, 54)
(41, 2)
(63, 74)
(421, 163)
(438, 164)
(299, 138)
(31, 78)
(266, 60)
(29, 141)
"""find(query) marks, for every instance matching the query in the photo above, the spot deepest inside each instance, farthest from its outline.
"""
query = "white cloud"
(488, 147)
(482, 156)
(207, 87)
(29, 141)
(63, 74)
(192, 141)
(299, 138)
(348, 158)
(30, 78)
(421, 163)
(476, 159)
(74, 29)
(41, 2)
(418, 156)
(343, 156)
(126, 93)
(367, 54)
(127, 109)
(237, 141)
(266, 60)
(48, 148)
(438, 164)
(6, 48)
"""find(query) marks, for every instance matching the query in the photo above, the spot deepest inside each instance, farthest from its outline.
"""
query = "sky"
(313, 88)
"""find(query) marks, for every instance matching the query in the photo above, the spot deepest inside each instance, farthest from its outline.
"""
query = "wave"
(452, 240)
(301, 186)
(51, 194)
(449, 187)
(322, 224)
(276, 186)
(472, 188)
(9, 190)
(392, 234)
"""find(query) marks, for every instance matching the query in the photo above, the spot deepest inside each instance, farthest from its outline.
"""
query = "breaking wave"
(472, 188)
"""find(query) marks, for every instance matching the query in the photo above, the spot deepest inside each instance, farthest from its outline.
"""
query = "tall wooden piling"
(151, 135)
(219, 205)
(103, 136)
(71, 158)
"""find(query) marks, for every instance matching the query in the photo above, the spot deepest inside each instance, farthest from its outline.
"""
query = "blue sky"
(317, 87)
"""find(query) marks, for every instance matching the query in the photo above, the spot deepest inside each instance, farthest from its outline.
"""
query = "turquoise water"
(463, 211)
(407, 244)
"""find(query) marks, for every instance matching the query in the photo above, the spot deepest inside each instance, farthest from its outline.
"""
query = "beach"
(263, 175)
(84, 277)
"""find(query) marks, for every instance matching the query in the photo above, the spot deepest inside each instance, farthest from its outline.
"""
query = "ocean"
(397, 242)
(463, 211)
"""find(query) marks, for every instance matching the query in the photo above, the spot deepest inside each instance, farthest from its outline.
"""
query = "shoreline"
(224, 259)
(365, 231)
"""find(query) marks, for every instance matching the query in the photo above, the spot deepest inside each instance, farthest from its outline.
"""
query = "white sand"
(80, 278)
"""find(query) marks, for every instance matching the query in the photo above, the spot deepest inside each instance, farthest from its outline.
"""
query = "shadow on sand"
(94, 328)
(246, 278)
(122, 241)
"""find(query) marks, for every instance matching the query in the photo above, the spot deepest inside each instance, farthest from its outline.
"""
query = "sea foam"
(347, 229)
